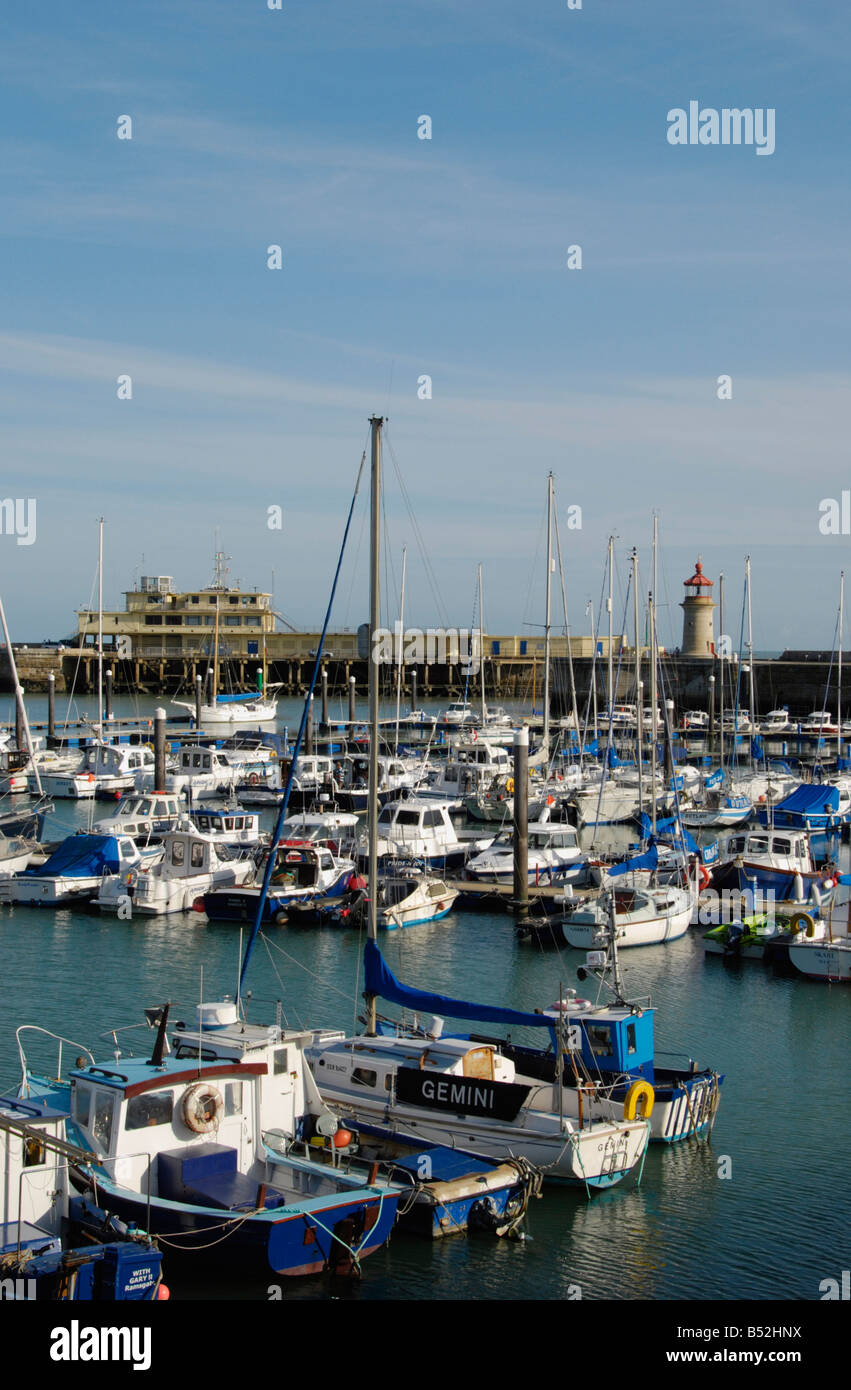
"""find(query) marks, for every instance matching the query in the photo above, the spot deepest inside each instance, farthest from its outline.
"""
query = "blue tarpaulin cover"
(82, 856)
(649, 860)
(811, 797)
(380, 980)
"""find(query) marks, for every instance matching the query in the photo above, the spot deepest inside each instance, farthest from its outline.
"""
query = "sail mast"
(609, 606)
(546, 735)
(637, 679)
(400, 653)
(100, 628)
(482, 645)
(839, 676)
(374, 600)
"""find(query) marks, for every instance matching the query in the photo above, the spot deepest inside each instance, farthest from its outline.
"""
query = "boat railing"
(57, 1037)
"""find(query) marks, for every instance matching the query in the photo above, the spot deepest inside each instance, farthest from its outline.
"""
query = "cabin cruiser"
(191, 864)
(469, 767)
(777, 721)
(694, 721)
(420, 829)
(336, 830)
(817, 806)
(104, 769)
(818, 724)
(554, 856)
(204, 771)
(395, 775)
(144, 818)
(457, 712)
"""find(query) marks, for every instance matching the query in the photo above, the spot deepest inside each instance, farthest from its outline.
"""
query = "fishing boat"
(777, 721)
(771, 860)
(829, 961)
(614, 1054)
(819, 724)
(406, 898)
(303, 873)
(191, 864)
(204, 1143)
(38, 1259)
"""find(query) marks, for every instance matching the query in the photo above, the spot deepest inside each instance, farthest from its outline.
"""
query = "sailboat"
(455, 1089)
(229, 713)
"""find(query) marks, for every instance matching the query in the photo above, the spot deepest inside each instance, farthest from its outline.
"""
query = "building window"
(153, 620)
(233, 622)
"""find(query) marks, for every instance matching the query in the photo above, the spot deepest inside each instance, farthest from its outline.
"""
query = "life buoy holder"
(202, 1108)
(802, 922)
(253, 779)
(641, 1094)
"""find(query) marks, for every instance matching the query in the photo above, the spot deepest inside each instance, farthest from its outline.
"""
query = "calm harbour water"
(773, 1230)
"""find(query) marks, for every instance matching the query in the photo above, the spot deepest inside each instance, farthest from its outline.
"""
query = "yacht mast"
(400, 655)
(546, 737)
(637, 678)
(100, 628)
(374, 599)
(19, 696)
(751, 710)
(482, 644)
(839, 677)
(609, 607)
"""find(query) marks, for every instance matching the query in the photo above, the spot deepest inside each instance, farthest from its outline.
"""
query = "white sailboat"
(457, 1090)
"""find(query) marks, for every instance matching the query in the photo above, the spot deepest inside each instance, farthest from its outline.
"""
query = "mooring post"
(199, 700)
(521, 823)
(51, 706)
(352, 699)
(159, 750)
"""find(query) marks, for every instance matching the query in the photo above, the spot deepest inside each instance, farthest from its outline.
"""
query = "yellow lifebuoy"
(640, 1093)
(150, 747)
(802, 921)
(202, 1108)
(509, 786)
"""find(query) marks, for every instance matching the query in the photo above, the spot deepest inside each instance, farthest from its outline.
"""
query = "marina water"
(757, 1211)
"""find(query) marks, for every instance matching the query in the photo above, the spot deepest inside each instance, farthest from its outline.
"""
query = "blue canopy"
(82, 856)
(757, 750)
(811, 798)
(650, 860)
(612, 758)
(248, 697)
(380, 981)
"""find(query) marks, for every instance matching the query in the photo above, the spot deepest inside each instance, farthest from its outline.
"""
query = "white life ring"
(202, 1108)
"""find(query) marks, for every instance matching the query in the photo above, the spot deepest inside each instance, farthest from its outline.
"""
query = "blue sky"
(405, 257)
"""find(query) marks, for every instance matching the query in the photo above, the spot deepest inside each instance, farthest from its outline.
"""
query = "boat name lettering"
(457, 1091)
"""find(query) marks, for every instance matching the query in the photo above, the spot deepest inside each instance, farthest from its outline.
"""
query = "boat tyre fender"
(202, 1108)
(802, 922)
(641, 1094)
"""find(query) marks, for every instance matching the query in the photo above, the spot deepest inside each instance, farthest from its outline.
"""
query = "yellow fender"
(640, 1094)
(802, 921)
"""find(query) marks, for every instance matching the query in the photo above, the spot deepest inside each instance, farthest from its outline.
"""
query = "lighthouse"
(698, 607)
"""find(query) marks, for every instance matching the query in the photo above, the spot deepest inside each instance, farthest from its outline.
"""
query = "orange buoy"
(342, 1138)
(163, 1292)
